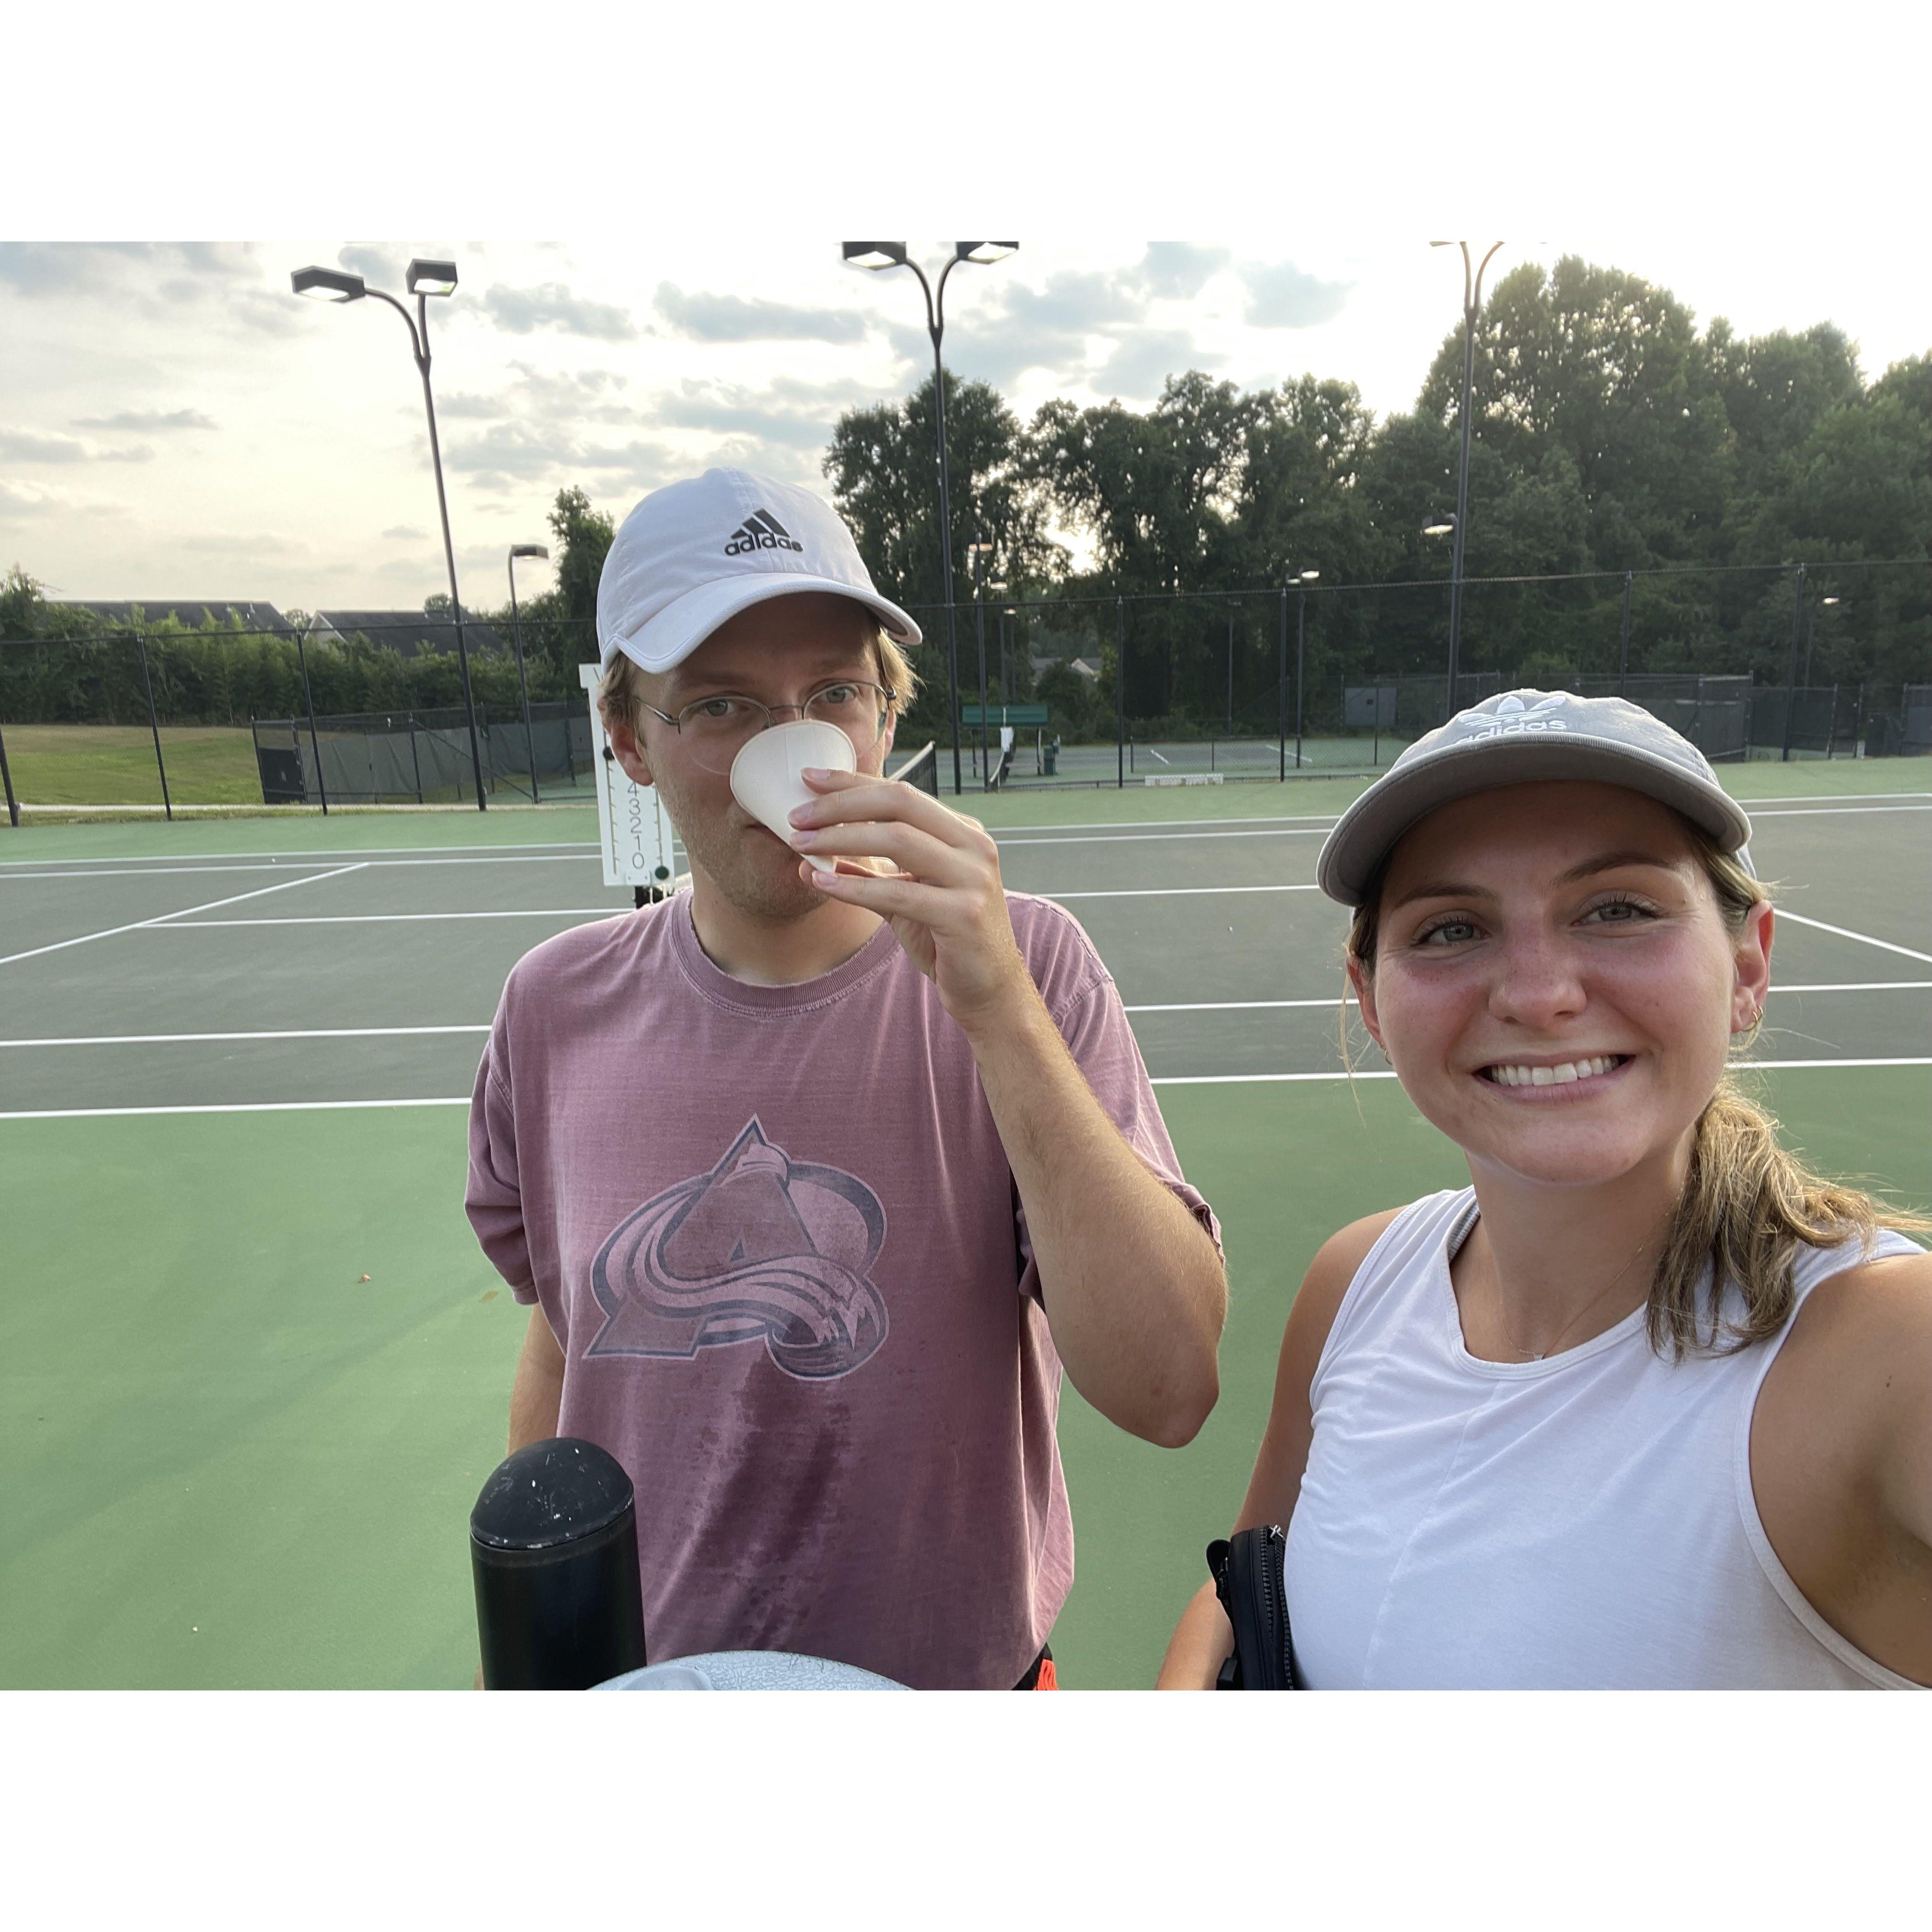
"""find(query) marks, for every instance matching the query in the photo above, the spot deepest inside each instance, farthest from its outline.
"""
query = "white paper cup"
(766, 780)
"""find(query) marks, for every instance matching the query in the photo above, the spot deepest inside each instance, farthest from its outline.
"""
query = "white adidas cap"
(1515, 739)
(694, 553)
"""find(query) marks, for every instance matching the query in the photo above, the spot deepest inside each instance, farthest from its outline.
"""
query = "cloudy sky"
(176, 424)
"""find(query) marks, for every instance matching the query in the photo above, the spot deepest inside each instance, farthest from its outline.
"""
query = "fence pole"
(1859, 724)
(1623, 649)
(1300, 664)
(315, 743)
(1281, 694)
(1120, 694)
(7, 778)
(416, 757)
(1791, 674)
(155, 725)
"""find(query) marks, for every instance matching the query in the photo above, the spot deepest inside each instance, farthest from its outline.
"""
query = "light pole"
(1234, 604)
(1472, 303)
(1302, 583)
(979, 551)
(425, 278)
(1811, 633)
(879, 257)
(516, 633)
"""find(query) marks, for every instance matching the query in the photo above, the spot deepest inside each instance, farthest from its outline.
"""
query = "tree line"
(1610, 436)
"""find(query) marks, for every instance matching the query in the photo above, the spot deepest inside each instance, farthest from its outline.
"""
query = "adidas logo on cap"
(760, 530)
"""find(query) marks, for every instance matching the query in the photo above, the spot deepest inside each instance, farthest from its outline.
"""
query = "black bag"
(1249, 1582)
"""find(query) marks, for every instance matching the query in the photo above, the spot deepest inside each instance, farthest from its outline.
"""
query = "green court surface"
(231, 1461)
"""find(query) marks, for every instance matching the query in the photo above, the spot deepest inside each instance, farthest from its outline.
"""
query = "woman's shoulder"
(1340, 1261)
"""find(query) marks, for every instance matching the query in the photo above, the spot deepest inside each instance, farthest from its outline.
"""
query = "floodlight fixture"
(1309, 576)
(1442, 526)
(327, 285)
(531, 550)
(1828, 600)
(978, 548)
(431, 278)
(880, 255)
(876, 254)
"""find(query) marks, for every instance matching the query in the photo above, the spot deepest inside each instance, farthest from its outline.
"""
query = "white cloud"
(551, 305)
(152, 421)
(724, 318)
(1280, 296)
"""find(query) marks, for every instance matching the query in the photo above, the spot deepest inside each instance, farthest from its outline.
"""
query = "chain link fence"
(1827, 660)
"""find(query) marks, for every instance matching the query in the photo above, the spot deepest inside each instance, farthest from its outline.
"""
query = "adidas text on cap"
(694, 554)
(1517, 738)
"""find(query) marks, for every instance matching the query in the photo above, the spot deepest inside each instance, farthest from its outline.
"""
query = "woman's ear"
(1363, 982)
(1750, 954)
(629, 750)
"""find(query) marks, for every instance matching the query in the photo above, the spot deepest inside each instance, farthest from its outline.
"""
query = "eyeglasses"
(716, 730)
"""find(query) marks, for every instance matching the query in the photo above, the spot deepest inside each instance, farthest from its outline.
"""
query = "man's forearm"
(1135, 1293)
(536, 1396)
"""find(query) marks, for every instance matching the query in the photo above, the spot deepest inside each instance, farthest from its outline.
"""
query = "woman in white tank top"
(1646, 1406)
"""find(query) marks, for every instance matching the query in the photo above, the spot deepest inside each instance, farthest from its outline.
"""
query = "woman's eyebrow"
(1460, 888)
(1611, 862)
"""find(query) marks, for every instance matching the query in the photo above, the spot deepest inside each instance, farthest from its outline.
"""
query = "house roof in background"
(409, 632)
(253, 614)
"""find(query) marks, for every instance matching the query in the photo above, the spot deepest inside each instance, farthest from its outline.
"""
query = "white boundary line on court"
(483, 1026)
(369, 865)
(1837, 812)
(1159, 1080)
(1845, 932)
(622, 912)
(160, 919)
(1848, 803)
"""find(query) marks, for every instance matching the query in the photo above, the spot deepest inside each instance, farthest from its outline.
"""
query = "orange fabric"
(1048, 1679)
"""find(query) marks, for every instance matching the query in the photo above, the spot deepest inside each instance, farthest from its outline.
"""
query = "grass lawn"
(114, 764)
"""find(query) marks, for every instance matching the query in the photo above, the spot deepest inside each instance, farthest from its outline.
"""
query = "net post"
(155, 725)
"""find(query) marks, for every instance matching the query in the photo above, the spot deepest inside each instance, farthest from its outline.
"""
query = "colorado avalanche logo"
(761, 1247)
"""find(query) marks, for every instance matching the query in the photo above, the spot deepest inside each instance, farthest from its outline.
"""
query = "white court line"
(1171, 892)
(1166, 839)
(300, 1032)
(621, 912)
(1839, 811)
(483, 1026)
(1157, 832)
(397, 918)
(1845, 932)
(145, 859)
(572, 847)
(168, 872)
(160, 922)
(232, 1107)
(1159, 1080)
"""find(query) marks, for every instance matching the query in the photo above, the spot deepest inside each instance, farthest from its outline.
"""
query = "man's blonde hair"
(623, 690)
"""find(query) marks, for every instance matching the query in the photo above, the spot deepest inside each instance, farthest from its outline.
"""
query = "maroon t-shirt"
(775, 1232)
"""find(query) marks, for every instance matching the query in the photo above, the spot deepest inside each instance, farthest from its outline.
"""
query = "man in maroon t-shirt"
(817, 1177)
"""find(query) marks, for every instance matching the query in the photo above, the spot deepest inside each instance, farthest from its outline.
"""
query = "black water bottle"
(553, 1550)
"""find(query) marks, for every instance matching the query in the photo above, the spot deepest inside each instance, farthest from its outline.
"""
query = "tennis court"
(255, 1369)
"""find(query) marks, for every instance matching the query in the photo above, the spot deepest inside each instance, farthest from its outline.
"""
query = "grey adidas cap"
(695, 553)
(1515, 739)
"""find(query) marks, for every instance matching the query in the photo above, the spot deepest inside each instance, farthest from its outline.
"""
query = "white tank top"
(1583, 1521)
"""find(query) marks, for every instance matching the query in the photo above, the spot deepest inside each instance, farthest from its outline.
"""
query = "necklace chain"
(1549, 1348)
